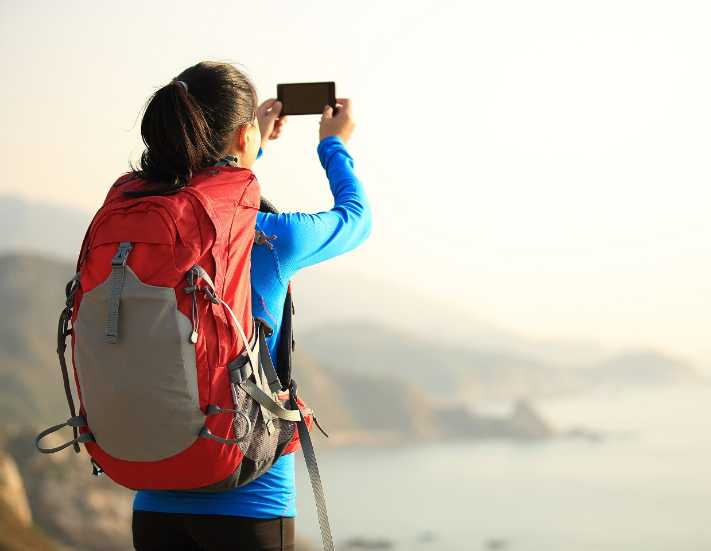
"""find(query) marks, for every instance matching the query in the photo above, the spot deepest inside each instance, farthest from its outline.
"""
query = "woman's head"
(188, 127)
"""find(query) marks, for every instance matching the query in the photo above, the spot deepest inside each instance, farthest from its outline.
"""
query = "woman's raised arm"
(304, 239)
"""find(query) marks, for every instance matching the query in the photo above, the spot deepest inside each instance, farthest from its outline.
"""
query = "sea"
(644, 485)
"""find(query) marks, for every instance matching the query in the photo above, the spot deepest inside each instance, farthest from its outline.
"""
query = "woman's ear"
(240, 140)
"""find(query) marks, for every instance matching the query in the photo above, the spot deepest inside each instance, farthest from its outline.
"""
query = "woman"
(258, 516)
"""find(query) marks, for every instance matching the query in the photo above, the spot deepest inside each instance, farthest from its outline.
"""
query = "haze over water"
(645, 487)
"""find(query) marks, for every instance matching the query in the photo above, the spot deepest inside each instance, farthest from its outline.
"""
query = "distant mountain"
(467, 373)
(446, 371)
(644, 367)
(323, 297)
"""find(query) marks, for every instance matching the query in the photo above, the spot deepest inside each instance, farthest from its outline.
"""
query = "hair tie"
(182, 83)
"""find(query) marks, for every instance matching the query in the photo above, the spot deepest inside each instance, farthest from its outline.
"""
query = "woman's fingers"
(343, 105)
(341, 124)
(265, 106)
(344, 102)
(269, 108)
(278, 127)
(270, 123)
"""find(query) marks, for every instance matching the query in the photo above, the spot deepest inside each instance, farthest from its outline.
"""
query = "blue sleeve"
(304, 239)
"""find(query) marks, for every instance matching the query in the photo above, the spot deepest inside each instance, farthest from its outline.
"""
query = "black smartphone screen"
(306, 98)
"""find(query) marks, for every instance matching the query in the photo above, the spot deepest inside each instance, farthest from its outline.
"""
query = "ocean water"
(645, 487)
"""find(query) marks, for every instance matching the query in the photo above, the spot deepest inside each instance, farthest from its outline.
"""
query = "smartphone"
(306, 98)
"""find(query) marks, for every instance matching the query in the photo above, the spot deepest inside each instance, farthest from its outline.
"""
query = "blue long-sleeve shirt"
(302, 239)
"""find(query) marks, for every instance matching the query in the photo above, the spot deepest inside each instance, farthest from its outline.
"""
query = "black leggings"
(184, 532)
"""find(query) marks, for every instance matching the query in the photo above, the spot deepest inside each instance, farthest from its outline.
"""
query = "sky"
(544, 165)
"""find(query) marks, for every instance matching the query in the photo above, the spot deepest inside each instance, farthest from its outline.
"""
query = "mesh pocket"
(260, 448)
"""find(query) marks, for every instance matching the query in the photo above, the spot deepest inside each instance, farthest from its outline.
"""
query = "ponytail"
(189, 123)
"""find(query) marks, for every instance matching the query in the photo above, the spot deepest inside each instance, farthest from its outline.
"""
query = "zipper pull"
(193, 289)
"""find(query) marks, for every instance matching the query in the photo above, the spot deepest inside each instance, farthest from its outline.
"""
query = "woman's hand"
(270, 123)
(341, 125)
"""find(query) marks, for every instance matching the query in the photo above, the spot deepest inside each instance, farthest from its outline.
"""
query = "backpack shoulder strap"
(286, 342)
(286, 339)
(209, 208)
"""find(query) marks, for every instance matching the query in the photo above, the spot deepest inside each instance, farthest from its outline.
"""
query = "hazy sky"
(545, 164)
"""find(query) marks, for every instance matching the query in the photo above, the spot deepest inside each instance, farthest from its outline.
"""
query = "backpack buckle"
(121, 255)
(210, 295)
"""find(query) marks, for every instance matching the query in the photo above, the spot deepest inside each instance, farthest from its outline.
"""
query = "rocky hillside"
(32, 295)
(16, 536)
(18, 532)
(45, 501)
(63, 494)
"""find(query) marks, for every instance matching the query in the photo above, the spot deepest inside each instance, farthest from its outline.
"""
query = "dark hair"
(188, 128)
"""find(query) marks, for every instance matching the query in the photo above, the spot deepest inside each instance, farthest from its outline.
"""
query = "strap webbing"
(307, 448)
(117, 278)
(286, 339)
(261, 385)
(268, 402)
(63, 332)
(201, 273)
(253, 358)
(74, 422)
(213, 409)
(315, 477)
(266, 359)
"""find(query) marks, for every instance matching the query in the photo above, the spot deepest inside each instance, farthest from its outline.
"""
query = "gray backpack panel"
(140, 394)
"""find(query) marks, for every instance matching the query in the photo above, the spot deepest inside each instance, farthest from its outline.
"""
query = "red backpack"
(176, 387)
